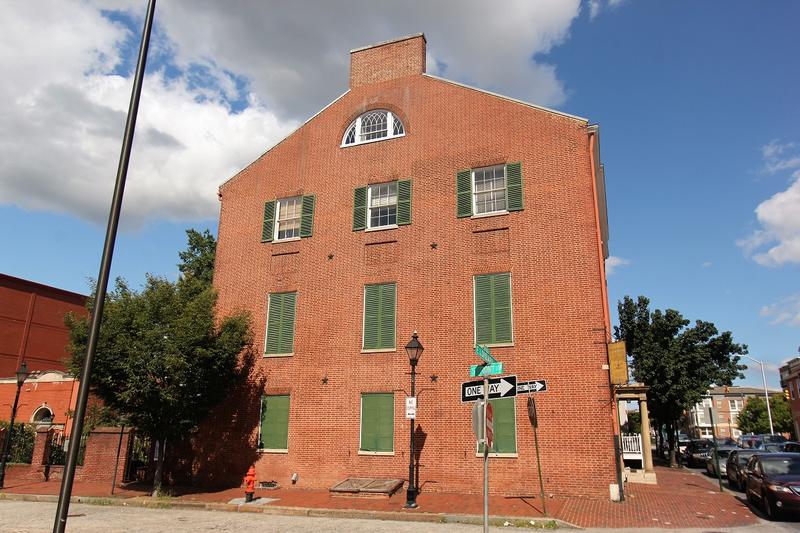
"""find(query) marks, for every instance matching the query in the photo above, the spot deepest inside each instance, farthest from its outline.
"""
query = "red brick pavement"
(682, 498)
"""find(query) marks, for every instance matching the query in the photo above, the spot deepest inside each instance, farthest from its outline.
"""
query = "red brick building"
(32, 330)
(32, 324)
(414, 203)
(790, 381)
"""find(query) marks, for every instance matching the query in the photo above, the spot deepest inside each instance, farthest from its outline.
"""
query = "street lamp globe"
(414, 349)
(22, 373)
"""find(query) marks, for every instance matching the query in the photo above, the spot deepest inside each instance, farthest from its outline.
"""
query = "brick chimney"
(387, 60)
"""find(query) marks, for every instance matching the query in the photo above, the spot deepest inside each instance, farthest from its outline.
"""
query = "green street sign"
(483, 353)
(485, 370)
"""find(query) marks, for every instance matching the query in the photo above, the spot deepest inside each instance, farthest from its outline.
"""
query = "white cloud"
(596, 6)
(64, 113)
(613, 263)
(787, 311)
(777, 241)
(706, 264)
(241, 76)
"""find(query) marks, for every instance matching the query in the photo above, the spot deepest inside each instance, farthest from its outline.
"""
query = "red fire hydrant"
(250, 484)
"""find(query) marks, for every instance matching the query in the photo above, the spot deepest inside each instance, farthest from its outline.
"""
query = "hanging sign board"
(618, 362)
(411, 407)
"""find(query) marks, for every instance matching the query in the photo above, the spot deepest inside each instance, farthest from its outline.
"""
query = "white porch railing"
(632, 447)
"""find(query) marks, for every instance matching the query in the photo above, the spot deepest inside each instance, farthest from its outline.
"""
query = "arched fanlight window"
(43, 415)
(372, 126)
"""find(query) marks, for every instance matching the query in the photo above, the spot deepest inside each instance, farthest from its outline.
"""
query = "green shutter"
(359, 208)
(403, 202)
(287, 322)
(514, 184)
(464, 193)
(493, 309)
(307, 216)
(268, 226)
(280, 323)
(501, 304)
(274, 423)
(379, 316)
(505, 427)
(377, 422)
(372, 302)
(388, 314)
(483, 310)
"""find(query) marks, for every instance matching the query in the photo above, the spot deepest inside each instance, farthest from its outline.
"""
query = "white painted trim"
(510, 99)
(385, 454)
(475, 193)
(357, 122)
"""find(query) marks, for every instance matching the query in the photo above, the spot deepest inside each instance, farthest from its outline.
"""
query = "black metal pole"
(411, 493)
(9, 435)
(102, 279)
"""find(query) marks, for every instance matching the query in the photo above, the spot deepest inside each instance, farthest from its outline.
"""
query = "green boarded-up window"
(274, 434)
(379, 316)
(505, 427)
(377, 422)
(280, 323)
(493, 309)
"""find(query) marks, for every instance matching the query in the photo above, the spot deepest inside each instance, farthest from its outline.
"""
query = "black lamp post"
(22, 375)
(414, 350)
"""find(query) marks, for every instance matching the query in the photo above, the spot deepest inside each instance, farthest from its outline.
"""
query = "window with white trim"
(489, 190)
(706, 433)
(287, 223)
(382, 202)
(736, 405)
(372, 126)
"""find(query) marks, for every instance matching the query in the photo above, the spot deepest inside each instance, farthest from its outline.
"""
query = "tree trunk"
(672, 459)
(161, 448)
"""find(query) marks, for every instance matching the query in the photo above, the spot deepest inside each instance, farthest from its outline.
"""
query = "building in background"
(414, 203)
(727, 402)
(790, 381)
(32, 330)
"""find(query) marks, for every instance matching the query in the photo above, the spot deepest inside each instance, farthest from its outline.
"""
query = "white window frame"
(277, 224)
(369, 206)
(475, 193)
(706, 433)
(390, 117)
(734, 405)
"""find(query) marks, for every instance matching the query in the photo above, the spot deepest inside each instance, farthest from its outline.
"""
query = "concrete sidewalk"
(680, 500)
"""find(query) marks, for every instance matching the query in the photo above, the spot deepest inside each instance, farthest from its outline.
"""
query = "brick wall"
(374, 64)
(550, 248)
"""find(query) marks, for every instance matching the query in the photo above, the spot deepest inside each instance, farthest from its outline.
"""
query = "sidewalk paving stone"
(681, 499)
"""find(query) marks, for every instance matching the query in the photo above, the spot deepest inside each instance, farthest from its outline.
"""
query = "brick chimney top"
(387, 60)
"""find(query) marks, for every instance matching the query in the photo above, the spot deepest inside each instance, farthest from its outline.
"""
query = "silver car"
(711, 464)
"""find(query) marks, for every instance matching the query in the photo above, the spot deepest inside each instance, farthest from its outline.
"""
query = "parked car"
(750, 441)
(791, 447)
(772, 438)
(697, 452)
(735, 466)
(711, 464)
(773, 480)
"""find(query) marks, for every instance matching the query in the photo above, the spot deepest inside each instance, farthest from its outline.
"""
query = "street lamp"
(766, 395)
(22, 375)
(414, 350)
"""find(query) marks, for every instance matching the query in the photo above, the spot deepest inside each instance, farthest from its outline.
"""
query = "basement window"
(373, 126)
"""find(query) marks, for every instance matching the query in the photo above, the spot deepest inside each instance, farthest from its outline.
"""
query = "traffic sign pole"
(485, 461)
(535, 424)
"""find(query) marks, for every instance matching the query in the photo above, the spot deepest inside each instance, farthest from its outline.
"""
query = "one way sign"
(535, 385)
(502, 387)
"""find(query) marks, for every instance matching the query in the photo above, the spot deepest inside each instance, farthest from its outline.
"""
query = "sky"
(696, 102)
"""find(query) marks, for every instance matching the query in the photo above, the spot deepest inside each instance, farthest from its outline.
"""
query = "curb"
(156, 503)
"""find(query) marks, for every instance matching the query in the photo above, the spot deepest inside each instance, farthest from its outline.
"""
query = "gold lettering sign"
(618, 362)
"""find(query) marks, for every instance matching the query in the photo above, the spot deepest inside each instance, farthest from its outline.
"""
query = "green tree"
(754, 417)
(163, 359)
(677, 361)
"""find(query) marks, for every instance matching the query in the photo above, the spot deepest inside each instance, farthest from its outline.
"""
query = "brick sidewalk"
(681, 499)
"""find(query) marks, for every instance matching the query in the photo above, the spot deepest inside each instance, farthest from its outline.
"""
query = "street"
(32, 517)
